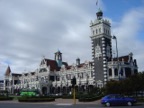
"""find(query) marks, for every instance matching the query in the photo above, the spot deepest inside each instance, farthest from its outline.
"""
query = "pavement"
(56, 102)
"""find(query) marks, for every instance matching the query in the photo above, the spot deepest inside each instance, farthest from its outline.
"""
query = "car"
(117, 99)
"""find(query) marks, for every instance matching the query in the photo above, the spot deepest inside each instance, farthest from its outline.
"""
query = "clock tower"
(101, 47)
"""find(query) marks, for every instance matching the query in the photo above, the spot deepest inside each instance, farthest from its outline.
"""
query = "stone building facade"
(1, 85)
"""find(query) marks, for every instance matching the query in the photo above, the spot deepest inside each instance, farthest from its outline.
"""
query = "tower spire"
(99, 12)
(8, 71)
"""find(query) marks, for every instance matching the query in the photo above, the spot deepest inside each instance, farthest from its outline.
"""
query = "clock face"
(98, 51)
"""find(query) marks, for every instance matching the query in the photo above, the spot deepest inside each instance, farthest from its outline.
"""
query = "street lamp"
(87, 82)
(79, 83)
(114, 37)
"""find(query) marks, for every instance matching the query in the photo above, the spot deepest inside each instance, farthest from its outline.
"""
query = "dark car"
(117, 99)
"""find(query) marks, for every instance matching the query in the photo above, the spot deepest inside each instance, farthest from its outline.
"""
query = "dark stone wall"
(98, 67)
(98, 62)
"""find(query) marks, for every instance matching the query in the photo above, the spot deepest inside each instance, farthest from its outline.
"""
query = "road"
(58, 105)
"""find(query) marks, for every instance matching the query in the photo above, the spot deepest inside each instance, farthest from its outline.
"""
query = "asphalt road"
(42, 105)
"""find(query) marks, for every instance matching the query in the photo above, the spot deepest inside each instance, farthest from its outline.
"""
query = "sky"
(33, 29)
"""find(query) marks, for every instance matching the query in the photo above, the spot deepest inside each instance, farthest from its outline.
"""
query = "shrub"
(36, 99)
(5, 98)
(89, 98)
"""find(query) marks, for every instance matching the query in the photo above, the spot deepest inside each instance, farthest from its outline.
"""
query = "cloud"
(32, 28)
(129, 36)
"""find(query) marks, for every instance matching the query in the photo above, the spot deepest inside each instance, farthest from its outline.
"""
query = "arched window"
(110, 72)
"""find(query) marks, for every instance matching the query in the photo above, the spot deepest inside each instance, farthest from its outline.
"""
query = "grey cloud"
(30, 29)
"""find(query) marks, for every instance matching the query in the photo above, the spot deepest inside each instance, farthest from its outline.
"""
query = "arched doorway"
(44, 90)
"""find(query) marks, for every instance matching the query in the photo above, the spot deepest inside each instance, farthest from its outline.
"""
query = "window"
(121, 72)
(62, 77)
(96, 31)
(42, 78)
(78, 75)
(82, 75)
(108, 32)
(116, 72)
(57, 78)
(93, 32)
(99, 30)
(110, 72)
(51, 78)
(91, 73)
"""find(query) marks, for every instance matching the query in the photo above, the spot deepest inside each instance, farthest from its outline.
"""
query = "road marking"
(64, 104)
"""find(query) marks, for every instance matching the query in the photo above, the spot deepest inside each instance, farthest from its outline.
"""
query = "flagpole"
(97, 4)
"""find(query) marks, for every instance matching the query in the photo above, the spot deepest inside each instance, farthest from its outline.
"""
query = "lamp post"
(79, 83)
(87, 82)
(114, 37)
(37, 84)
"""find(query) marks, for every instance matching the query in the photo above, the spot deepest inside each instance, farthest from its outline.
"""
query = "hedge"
(89, 98)
(5, 98)
(35, 99)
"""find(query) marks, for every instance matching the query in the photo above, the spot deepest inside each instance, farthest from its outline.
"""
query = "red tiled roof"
(81, 65)
(125, 58)
(53, 64)
(68, 67)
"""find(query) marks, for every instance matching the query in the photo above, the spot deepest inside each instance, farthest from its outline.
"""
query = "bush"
(36, 99)
(67, 96)
(5, 98)
(89, 98)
